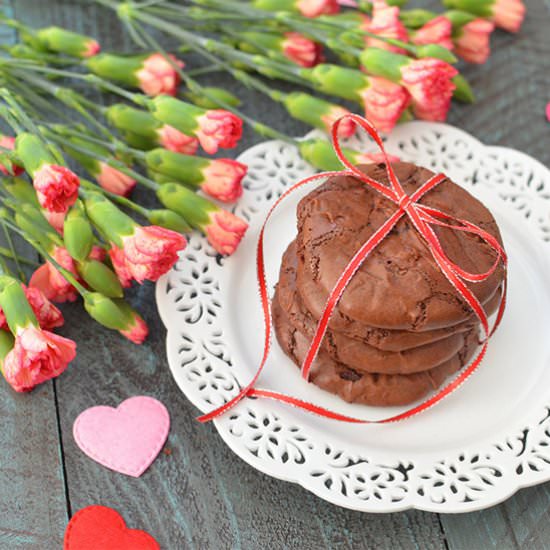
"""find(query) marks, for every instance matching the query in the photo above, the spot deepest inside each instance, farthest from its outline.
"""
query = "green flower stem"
(20, 114)
(31, 99)
(70, 98)
(45, 254)
(6, 253)
(7, 234)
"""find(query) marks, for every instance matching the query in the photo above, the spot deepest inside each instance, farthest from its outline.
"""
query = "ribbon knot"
(423, 218)
(404, 202)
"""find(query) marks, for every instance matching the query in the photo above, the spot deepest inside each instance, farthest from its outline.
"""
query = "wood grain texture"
(198, 494)
(33, 508)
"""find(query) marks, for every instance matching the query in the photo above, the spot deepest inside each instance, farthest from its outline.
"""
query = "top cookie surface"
(399, 286)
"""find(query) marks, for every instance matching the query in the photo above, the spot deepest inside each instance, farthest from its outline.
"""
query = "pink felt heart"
(126, 439)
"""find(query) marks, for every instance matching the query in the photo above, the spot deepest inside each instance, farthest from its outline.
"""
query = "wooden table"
(199, 494)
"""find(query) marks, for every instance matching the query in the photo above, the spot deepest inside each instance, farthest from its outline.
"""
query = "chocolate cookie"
(313, 301)
(352, 352)
(364, 388)
(400, 285)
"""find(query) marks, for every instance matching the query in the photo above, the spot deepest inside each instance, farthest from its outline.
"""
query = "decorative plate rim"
(351, 481)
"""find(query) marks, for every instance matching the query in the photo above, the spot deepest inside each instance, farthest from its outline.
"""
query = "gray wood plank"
(33, 506)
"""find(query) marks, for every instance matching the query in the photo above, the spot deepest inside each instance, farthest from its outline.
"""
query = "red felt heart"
(100, 527)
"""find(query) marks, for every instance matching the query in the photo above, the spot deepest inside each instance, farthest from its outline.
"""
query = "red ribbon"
(423, 218)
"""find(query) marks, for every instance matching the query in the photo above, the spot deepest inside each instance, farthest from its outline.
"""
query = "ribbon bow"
(423, 218)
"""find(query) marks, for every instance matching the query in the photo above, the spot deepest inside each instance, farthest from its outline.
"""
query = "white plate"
(471, 451)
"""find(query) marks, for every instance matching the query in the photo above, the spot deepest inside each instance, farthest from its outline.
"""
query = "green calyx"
(482, 8)
(339, 81)
(32, 152)
(436, 51)
(100, 278)
(307, 108)
(179, 114)
(129, 119)
(217, 94)
(463, 91)
(106, 311)
(108, 218)
(117, 68)
(414, 19)
(15, 305)
(194, 208)
(78, 235)
(384, 63)
(458, 19)
(137, 141)
(320, 154)
(67, 42)
(256, 42)
(276, 5)
(168, 220)
(177, 167)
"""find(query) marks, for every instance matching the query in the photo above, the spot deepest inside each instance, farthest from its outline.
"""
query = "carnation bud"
(100, 278)
(318, 113)
(105, 311)
(77, 233)
(67, 42)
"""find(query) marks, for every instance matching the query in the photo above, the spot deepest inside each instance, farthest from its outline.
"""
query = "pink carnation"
(225, 231)
(315, 8)
(37, 356)
(8, 142)
(386, 23)
(508, 14)
(146, 254)
(301, 50)
(218, 128)
(346, 129)
(429, 81)
(50, 281)
(157, 76)
(114, 180)
(473, 44)
(437, 31)
(384, 103)
(177, 141)
(137, 331)
(56, 187)
(223, 179)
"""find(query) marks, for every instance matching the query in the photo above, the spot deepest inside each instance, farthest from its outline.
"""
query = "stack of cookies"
(400, 328)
